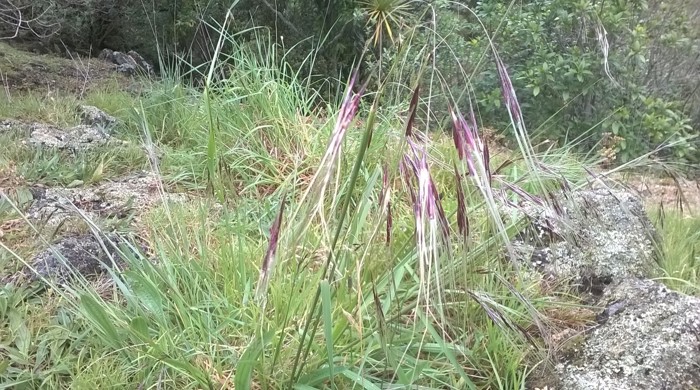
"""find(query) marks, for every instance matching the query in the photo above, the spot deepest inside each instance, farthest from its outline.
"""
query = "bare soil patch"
(669, 193)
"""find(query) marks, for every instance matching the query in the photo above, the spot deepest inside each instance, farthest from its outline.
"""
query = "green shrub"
(590, 60)
(581, 69)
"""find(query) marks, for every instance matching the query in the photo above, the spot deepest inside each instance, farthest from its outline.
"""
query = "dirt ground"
(673, 194)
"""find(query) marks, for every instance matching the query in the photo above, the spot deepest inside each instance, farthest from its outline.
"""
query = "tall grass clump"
(353, 252)
(680, 249)
(248, 128)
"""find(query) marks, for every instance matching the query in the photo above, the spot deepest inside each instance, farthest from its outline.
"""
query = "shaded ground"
(21, 71)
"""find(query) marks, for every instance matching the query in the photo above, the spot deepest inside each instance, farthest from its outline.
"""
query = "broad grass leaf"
(99, 317)
(319, 376)
(139, 326)
(247, 362)
(365, 383)
(189, 370)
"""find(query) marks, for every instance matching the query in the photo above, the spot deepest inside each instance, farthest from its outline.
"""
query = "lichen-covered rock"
(649, 338)
(81, 137)
(106, 55)
(93, 116)
(83, 255)
(94, 131)
(9, 124)
(128, 63)
(141, 62)
(111, 199)
(598, 237)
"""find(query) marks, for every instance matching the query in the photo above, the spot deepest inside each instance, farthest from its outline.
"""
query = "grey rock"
(81, 137)
(128, 63)
(9, 124)
(120, 58)
(93, 116)
(646, 337)
(598, 237)
(83, 255)
(144, 65)
(106, 55)
(53, 207)
(124, 62)
(117, 199)
(94, 131)
(126, 69)
(649, 339)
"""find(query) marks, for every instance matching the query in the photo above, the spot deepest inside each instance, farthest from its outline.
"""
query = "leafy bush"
(590, 60)
(581, 69)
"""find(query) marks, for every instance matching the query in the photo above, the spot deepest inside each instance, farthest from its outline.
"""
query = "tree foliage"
(585, 71)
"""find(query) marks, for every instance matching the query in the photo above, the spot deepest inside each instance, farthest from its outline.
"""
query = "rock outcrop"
(95, 130)
(129, 63)
(598, 237)
(93, 116)
(81, 137)
(117, 199)
(648, 337)
(603, 244)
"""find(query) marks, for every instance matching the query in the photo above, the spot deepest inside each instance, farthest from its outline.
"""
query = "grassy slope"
(193, 321)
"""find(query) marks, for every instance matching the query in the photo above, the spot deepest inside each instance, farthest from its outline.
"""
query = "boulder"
(595, 238)
(141, 62)
(648, 337)
(106, 55)
(645, 336)
(128, 63)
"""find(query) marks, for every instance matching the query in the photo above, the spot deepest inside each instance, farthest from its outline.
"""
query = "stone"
(645, 336)
(118, 199)
(120, 58)
(648, 338)
(84, 255)
(9, 124)
(141, 62)
(598, 237)
(94, 131)
(93, 116)
(81, 137)
(106, 55)
(125, 64)
(128, 63)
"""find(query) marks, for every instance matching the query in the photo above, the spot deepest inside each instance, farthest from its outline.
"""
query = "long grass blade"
(327, 323)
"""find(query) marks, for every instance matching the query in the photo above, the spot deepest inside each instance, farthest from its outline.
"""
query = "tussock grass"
(330, 247)
(680, 249)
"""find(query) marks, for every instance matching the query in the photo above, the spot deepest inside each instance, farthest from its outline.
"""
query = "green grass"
(344, 307)
(680, 248)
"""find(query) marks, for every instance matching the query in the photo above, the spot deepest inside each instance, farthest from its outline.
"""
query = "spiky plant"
(386, 16)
